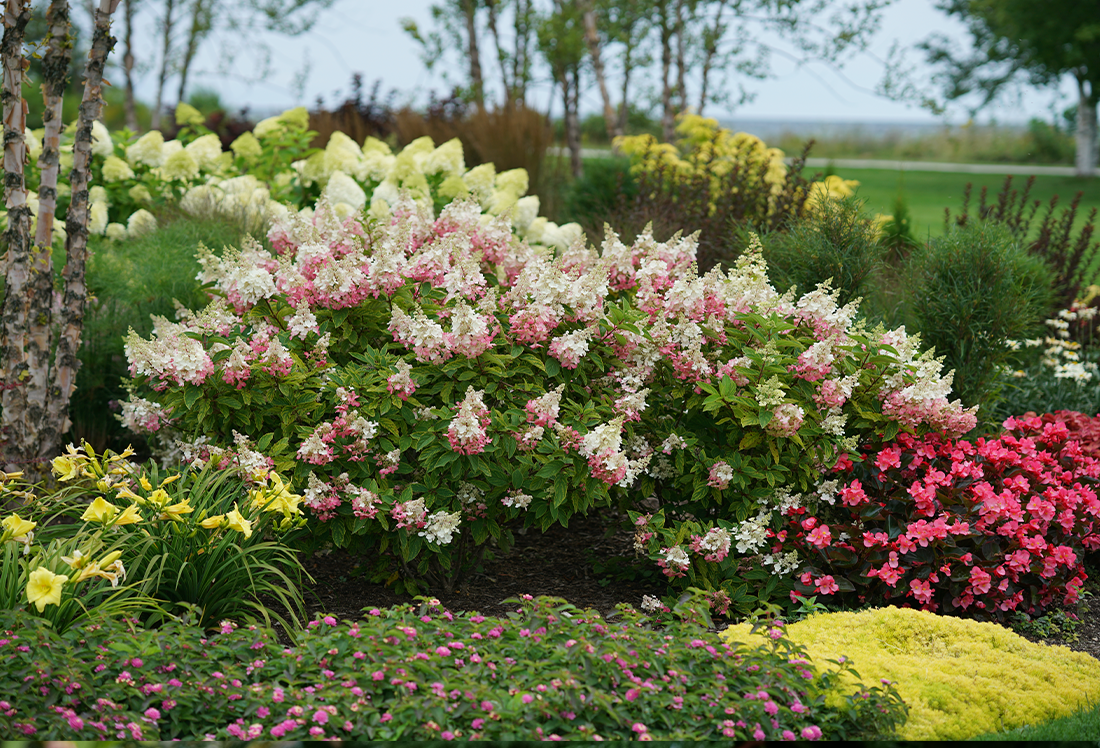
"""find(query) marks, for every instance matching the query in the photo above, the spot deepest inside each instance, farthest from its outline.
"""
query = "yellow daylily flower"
(169, 479)
(65, 467)
(160, 497)
(44, 588)
(126, 493)
(175, 510)
(100, 510)
(145, 483)
(16, 528)
(275, 498)
(214, 522)
(129, 516)
(235, 521)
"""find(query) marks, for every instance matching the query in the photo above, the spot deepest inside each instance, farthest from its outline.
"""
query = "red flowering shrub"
(1083, 429)
(977, 529)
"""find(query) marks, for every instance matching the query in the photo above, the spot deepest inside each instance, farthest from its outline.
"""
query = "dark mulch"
(562, 563)
(557, 563)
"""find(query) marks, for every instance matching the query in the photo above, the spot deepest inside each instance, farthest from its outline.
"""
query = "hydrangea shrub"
(426, 379)
(271, 171)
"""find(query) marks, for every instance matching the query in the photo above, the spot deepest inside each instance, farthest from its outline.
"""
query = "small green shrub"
(592, 198)
(896, 233)
(972, 290)
(548, 670)
(835, 241)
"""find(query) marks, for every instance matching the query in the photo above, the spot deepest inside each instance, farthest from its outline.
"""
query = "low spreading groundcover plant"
(547, 671)
(959, 678)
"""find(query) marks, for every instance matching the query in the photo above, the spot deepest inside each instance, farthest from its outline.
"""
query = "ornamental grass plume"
(959, 678)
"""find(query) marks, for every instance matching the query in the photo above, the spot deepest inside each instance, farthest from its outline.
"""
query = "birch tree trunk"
(592, 40)
(75, 291)
(129, 104)
(477, 83)
(668, 115)
(521, 61)
(1085, 161)
(681, 63)
(571, 84)
(166, 54)
(712, 35)
(55, 68)
(201, 23)
(502, 54)
(16, 429)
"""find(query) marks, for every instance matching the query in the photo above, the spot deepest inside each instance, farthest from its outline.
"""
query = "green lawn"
(927, 193)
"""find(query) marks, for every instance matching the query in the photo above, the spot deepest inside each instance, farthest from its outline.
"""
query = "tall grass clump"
(130, 282)
(970, 292)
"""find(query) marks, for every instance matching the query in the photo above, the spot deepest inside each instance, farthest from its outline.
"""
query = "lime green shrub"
(959, 678)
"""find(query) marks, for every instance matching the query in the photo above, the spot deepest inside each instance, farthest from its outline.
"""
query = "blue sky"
(365, 36)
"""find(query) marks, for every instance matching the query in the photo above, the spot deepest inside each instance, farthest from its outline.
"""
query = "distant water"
(771, 129)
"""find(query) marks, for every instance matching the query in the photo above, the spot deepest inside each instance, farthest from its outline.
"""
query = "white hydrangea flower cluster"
(440, 527)
(782, 564)
(752, 534)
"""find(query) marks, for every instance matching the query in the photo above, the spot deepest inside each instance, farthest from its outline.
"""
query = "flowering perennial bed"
(547, 671)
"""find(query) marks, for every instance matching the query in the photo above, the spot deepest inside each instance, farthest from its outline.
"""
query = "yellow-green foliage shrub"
(705, 148)
(960, 678)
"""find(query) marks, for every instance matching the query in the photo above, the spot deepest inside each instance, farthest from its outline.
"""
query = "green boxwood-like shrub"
(548, 670)
(835, 241)
(974, 289)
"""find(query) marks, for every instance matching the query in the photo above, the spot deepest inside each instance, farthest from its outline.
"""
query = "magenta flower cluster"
(548, 672)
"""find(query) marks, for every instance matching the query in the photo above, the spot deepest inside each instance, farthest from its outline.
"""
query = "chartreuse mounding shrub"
(959, 678)
(426, 381)
(417, 672)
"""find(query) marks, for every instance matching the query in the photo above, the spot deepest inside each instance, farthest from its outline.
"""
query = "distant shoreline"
(772, 129)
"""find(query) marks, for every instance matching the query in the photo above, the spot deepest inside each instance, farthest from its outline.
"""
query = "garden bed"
(559, 563)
